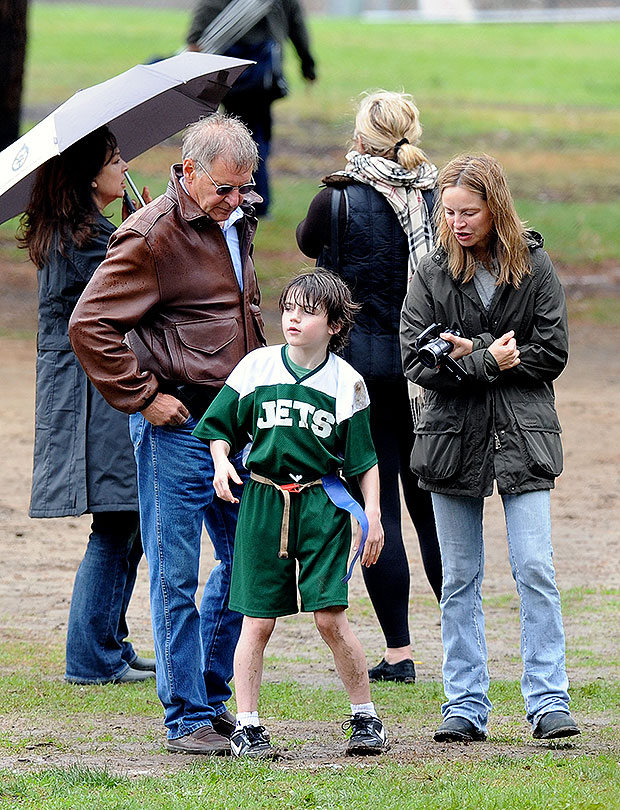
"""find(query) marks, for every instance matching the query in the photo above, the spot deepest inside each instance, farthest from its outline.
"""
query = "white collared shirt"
(231, 234)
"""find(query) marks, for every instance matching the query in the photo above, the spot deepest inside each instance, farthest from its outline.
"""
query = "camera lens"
(431, 354)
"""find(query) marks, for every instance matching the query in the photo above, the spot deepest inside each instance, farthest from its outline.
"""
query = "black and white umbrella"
(142, 106)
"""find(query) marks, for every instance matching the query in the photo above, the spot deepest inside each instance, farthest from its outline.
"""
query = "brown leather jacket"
(167, 284)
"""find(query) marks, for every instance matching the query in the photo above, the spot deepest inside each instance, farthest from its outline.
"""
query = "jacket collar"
(440, 257)
(189, 208)
(104, 224)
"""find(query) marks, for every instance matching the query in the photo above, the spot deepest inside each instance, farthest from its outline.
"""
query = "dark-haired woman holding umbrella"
(83, 458)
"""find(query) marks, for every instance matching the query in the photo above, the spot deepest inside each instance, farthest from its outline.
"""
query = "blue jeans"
(544, 684)
(97, 646)
(193, 648)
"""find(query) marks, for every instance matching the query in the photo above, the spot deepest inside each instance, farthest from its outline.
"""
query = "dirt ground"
(39, 559)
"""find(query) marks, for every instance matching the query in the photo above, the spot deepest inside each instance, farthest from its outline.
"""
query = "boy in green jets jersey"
(305, 411)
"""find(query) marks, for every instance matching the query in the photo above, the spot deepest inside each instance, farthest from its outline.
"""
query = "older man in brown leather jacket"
(163, 321)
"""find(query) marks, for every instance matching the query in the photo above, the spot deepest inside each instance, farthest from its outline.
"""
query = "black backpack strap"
(335, 228)
(339, 196)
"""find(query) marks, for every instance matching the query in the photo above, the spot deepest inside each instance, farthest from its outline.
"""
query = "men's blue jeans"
(97, 646)
(544, 684)
(193, 648)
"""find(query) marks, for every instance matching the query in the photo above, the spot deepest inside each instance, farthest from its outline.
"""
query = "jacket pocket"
(203, 351)
(538, 430)
(438, 447)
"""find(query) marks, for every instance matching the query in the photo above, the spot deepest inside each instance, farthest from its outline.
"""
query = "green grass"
(59, 720)
(551, 66)
(547, 65)
(544, 98)
(73, 46)
(36, 689)
(536, 782)
(603, 311)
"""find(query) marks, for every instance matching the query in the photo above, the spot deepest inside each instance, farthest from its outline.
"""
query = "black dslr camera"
(433, 350)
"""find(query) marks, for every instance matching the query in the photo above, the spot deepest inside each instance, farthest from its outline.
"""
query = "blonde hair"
(383, 120)
(484, 176)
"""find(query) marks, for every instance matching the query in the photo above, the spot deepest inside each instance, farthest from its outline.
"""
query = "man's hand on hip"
(165, 410)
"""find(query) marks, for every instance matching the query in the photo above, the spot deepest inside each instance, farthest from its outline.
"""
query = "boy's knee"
(330, 622)
(257, 629)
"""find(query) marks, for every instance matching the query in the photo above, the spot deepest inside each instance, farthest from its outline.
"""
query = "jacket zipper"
(496, 442)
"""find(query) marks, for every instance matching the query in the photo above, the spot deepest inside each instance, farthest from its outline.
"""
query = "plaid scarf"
(403, 190)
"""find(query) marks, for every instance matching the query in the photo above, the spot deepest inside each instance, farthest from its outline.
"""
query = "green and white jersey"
(301, 428)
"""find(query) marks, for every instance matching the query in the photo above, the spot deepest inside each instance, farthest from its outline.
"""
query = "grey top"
(485, 283)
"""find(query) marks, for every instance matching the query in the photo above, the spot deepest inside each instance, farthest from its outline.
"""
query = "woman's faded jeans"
(97, 646)
(194, 647)
(544, 684)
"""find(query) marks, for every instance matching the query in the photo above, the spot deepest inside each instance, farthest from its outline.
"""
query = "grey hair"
(220, 136)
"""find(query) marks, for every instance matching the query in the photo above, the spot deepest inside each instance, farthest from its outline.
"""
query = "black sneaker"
(224, 724)
(367, 735)
(402, 672)
(250, 741)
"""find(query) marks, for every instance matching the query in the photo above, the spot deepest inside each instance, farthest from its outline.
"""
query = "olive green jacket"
(494, 425)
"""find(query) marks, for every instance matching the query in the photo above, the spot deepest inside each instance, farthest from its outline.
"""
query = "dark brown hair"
(320, 289)
(61, 201)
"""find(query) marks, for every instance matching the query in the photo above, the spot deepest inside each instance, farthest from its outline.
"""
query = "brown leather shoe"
(204, 741)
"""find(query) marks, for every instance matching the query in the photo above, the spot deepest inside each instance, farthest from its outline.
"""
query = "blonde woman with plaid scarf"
(371, 224)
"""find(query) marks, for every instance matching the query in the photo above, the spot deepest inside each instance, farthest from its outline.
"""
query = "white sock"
(364, 708)
(247, 719)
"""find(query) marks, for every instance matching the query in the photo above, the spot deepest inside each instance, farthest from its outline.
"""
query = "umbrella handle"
(134, 188)
(128, 202)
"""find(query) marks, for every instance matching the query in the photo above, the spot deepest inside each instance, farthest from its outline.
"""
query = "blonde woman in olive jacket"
(492, 282)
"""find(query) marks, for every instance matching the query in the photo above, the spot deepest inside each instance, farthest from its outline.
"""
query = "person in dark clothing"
(259, 86)
(494, 424)
(83, 457)
(371, 224)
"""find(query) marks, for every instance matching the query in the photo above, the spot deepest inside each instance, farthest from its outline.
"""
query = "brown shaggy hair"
(320, 289)
(483, 175)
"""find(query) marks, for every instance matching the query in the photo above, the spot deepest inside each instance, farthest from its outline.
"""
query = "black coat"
(503, 426)
(83, 456)
(371, 254)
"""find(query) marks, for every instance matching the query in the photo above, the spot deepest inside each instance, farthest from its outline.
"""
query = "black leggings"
(387, 581)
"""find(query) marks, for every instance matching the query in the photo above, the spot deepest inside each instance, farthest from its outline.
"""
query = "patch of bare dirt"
(134, 747)
(39, 559)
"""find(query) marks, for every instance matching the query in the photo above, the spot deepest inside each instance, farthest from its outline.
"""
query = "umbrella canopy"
(141, 106)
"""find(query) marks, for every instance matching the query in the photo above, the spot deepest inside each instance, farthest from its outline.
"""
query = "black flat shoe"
(131, 675)
(458, 729)
(143, 664)
(553, 725)
(402, 672)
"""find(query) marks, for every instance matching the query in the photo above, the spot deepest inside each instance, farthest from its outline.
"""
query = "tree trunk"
(13, 14)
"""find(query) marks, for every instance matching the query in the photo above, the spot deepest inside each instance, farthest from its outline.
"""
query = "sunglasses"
(225, 188)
